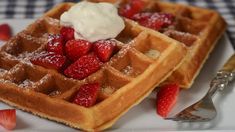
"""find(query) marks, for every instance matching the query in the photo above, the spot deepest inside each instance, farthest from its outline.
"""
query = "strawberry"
(166, 98)
(131, 8)
(87, 95)
(104, 49)
(83, 67)
(155, 21)
(55, 44)
(8, 118)
(142, 16)
(49, 60)
(67, 33)
(5, 32)
(76, 48)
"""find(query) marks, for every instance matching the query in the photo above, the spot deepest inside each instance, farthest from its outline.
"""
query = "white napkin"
(200, 87)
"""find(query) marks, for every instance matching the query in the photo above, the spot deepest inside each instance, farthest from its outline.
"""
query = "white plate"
(143, 117)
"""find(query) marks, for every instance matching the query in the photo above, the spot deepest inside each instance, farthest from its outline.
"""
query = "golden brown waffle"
(199, 29)
(145, 59)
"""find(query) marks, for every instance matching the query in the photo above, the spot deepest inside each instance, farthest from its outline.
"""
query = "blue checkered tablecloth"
(34, 8)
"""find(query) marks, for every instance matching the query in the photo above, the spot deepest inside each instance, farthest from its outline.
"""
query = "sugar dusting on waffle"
(26, 83)
(152, 53)
(131, 62)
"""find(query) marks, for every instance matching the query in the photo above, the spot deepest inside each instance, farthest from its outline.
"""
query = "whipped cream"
(93, 21)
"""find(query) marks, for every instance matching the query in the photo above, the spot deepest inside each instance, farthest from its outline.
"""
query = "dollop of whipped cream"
(93, 21)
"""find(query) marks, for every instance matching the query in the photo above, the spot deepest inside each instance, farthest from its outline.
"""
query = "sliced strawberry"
(166, 99)
(155, 21)
(8, 118)
(67, 33)
(5, 32)
(131, 8)
(74, 49)
(83, 67)
(104, 49)
(55, 44)
(143, 16)
(87, 95)
(49, 60)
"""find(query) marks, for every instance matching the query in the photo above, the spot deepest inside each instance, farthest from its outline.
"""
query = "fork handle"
(220, 81)
(229, 66)
(223, 77)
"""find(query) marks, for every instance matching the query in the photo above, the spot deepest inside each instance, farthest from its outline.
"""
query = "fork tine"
(200, 111)
(171, 118)
(187, 119)
(187, 116)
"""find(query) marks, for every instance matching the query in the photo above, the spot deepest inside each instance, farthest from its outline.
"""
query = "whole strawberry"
(5, 32)
(67, 33)
(104, 49)
(87, 95)
(74, 49)
(83, 67)
(55, 44)
(166, 99)
(49, 60)
(130, 9)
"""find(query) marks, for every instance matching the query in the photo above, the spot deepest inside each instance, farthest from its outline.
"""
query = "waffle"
(199, 29)
(145, 58)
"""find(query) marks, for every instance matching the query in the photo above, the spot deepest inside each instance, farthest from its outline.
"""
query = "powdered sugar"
(152, 53)
(54, 93)
(108, 89)
(5, 81)
(45, 79)
(186, 38)
(130, 71)
(26, 83)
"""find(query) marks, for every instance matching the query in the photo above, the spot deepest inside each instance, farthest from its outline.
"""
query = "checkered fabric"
(34, 8)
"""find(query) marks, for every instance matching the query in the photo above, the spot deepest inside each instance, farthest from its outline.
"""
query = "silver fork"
(204, 109)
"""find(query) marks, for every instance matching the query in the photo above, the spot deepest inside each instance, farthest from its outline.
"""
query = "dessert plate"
(143, 116)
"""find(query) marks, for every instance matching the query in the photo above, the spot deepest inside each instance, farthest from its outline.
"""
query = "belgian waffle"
(199, 29)
(145, 59)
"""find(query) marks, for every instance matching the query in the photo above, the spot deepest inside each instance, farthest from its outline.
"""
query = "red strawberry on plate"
(87, 95)
(49, 60)
(8, 118)
(5, 32)
(104, 49)
(83, 67)
(131, 8)
(76, 48)
(155, 20)
(55, 44)
(67, 33)
(166, 99)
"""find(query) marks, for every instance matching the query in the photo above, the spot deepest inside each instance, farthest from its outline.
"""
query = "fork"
(204, 109)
